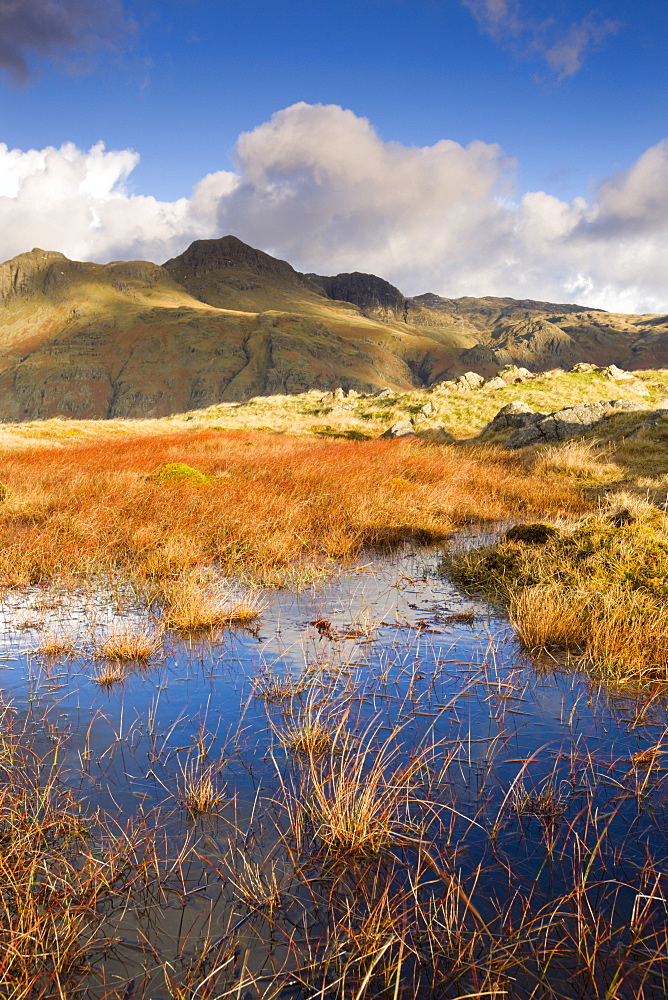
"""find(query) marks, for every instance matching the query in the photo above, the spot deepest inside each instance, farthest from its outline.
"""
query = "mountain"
(224, 322)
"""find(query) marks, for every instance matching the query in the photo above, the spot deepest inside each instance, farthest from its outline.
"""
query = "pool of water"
(525, 850)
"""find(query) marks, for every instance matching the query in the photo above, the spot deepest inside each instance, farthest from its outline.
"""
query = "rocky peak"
(374, 296)
(229, 254)
(25, 273)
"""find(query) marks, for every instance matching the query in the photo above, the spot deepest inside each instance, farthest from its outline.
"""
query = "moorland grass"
(275, 508)
(596, 589)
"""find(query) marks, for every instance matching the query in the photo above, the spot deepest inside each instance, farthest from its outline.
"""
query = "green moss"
(531, 534)
(597, 554)
(178, 474)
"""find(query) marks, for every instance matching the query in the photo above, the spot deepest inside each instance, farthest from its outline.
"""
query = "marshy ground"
(256, 743)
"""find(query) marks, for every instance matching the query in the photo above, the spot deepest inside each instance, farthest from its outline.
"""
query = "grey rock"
(516, 414)
(615, 374)
(384, 394)
(402, 428)
(495, 383)
(428, 410)
(339, 393)
(511, 374)
(443, 387)
(470, 379)
(570, 420)
(582, 367)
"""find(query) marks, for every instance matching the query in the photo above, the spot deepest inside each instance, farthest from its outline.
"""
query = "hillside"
(224, 322)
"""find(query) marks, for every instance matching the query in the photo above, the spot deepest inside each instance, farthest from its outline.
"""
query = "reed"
(193, 606)
(200, 786)
(129, 645)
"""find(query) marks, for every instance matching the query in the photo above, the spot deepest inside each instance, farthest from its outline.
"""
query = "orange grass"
(274, 505)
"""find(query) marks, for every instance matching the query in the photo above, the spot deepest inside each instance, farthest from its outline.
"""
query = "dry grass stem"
(200, 787)
(128, 645)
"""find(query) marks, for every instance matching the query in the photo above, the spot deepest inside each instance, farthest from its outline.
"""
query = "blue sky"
(572, 94)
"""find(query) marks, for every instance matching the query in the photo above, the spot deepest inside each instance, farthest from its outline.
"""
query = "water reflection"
(471, 823)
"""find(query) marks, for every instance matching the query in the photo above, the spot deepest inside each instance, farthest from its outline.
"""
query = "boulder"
(470, 379)
(495, 383)
(384, 394)
(402, 428)
(428, 410)
(615, 374)
(339, 394)
(511, 374)
(516, 414)
(582, 367)
(443, 387)
(571, 420)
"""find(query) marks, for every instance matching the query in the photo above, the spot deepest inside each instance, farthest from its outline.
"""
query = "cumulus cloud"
(52, 27)
(316, 185)
(562, 47)
(78, 202)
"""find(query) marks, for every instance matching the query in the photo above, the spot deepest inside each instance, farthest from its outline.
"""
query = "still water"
(529, 855)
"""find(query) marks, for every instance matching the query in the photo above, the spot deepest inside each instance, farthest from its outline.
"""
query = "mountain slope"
(224, 322)
(125, 339)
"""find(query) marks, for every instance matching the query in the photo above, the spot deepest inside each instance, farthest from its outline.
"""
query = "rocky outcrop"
(565, 423)
(465, 383)
(374, 296)
(516, 415)
(402, 428)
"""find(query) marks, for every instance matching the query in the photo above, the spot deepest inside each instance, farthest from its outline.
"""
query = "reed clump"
(54, 882)
(128, 645)
(359, 800)
(192, 606)
(597, 589)
(55, 644)
(200, 786)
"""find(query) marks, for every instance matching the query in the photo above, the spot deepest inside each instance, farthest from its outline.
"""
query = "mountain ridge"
(224, 321)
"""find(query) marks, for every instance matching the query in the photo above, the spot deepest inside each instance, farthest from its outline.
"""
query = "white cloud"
(78, 202)
(317, 186)
(562, 47)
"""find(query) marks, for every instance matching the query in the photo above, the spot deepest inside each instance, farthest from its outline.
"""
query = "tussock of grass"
(200, 787)
(128, 645)
(311, 732)
(576, 458)
(193, 606)
(549, 617)
(358, 801)
(56, 644)
(597, 589)
(284, 505)
(177, 474)
(276, 689)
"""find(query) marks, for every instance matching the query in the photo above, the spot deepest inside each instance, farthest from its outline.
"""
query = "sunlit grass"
(273, 507)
